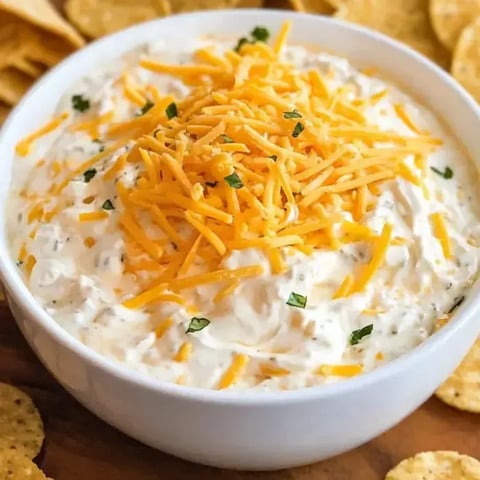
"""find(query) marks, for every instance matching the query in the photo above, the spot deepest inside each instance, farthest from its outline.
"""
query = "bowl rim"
(19, 292)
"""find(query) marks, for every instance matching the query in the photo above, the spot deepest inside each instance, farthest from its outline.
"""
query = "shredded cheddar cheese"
(441, 233)
(231, 375)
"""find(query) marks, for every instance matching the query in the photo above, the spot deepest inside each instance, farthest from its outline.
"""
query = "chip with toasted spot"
(450, 17)
(21, 427)
(466, 59)
(405, 20)
(462, 389)
(16, 466)
(447, 465)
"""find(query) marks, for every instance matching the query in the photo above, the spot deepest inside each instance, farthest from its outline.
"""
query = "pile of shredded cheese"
(257, 155)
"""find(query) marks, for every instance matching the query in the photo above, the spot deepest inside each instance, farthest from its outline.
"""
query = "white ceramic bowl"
(246, 430)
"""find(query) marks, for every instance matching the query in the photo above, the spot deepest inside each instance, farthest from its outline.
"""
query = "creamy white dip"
(83, 288)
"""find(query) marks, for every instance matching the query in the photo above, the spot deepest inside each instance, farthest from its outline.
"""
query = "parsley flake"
(234, 181)
(299, 128)
(80, 103)
(357, 335)
(226, 138)
(241, 43)
(148, 105)
(293, 114)
(171, 111)
(260, 34)
(89, 174)
(108, 205)
(196, 324)
(446, 174)
(297, 300)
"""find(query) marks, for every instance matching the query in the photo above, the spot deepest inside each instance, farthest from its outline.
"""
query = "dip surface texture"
(268, 218)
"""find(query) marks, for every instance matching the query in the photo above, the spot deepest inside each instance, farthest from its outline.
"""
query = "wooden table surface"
(81, 447)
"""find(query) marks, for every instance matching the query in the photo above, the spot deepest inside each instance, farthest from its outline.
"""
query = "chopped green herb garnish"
(102, 148)
(196, 324)
(89, 174)
(357, 335)
(446, 174)
(299, 128)
(260, 34)
(108, 205)
(458, 302)
(234, 181)
(241, 43)
(273, 157)
(292, 114)
(148, 105)
(226, 138)
(211, 184)
(171, 111)
(80, 103)
(297, 300)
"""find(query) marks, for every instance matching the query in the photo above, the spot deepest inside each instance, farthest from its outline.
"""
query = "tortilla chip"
(30, 68)
(21, 428)
(15, 466)
(404, 20)
(42, 14)
(95, 19)
(312, 6)
(462, 388)
(4, 111)
(249, 3)
(13, 85)
(466, 59)
(450, 17)
(436, 466)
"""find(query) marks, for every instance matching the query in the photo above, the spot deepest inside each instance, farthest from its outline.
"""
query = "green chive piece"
(196, 324)
(80, 103)
(171, 111)
(108, 205)
(89, 174)
(241, 43)
(357, 335)
(292, 114)
(226, 138)
(297, 300)
(148, 105)
(260, 34)
(234, 181)
(446, 174)
(299, 128)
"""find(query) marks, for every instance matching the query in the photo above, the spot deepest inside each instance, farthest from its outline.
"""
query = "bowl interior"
(413, 72)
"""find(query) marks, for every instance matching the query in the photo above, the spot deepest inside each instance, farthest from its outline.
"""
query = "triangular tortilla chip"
(42, 14)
